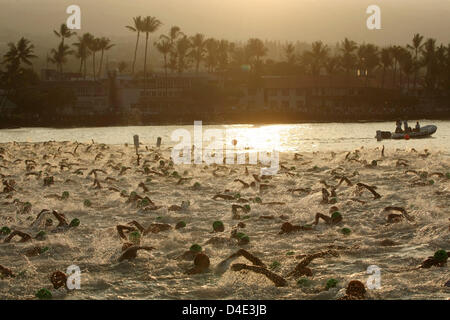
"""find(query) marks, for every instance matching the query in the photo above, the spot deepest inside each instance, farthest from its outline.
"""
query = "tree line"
(422, 61)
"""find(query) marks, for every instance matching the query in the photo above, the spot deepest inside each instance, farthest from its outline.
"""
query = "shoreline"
(93, 122)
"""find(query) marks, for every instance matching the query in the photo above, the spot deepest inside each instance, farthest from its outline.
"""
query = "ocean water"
(95, 246)
(292, 137)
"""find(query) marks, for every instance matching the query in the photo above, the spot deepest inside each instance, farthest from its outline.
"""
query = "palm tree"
(82, 51)
(122, 66)
(289, 52)
(212, 53)
(368, 58)
(197, 49)
(256, 49)
(406, 65)
(64, 33)
(173, 35)
(104, 45)
(430, 61)
(416, 46)
(223, 50)
(332, 65)
(348, 58)
(396, 52)
(19, 53)
(94, 46)
(182, 48)
(316, 57)
(164, 47)
(386, 62)
(149, 25)
(59, 56)
(136, 27)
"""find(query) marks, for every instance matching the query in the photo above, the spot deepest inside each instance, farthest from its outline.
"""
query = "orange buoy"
(406, 136)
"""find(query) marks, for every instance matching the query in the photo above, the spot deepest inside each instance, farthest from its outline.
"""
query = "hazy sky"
(304, 20)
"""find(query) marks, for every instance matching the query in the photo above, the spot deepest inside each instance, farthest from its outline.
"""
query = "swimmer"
(335, 217)
(302, 268)
(289, 228)
(201, 264)
(370, 188)
(257, 267)
(392, 218)
(131, 252)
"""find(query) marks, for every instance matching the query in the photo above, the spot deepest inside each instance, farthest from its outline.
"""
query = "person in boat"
(417, 127)
(398, 128)
(405, 124)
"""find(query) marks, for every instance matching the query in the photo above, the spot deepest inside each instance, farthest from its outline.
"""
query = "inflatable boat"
(425, 132)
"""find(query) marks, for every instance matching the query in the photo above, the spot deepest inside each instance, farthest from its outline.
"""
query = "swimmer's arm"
(122, 228)
(137, 225)
(24, 236)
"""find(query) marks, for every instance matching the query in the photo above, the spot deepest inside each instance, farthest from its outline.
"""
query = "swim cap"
(195, 248)
(441, 255)
(75, 222)
(218, 226)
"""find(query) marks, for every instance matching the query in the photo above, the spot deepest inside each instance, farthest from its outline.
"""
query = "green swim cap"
(303, 282)
(346, 231)
(431, 182)
(441, 255)
(175, 174)
(239, 235)
(336, 215)
(134, 236)
(5, 230)
(247, 207)
(75, 222)
(258, 200)
(275, 265)
(41, 234)
(290, 253)
(244, 239)
(43, 294)
(87, 203)
(447, 175)
(195, 248)
(331, 283)
(143, 203)
(218, 226)
(197, 185)
(44, 249)
(65, 195)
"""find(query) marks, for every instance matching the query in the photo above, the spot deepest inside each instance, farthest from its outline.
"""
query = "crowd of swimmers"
(132, 233)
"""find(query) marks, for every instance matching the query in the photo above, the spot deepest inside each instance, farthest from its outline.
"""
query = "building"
(91, 97)
(305, 93)
(160, 93)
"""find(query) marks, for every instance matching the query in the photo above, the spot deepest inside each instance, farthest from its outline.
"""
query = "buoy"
(407, 137)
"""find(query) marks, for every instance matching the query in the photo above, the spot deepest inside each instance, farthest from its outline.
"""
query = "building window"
(285, 92)
(300, 104)
(285, 104)
(273, 104)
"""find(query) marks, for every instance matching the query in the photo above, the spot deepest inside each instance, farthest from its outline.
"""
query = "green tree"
(149, 25)
(104, 45)
(136, 27)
